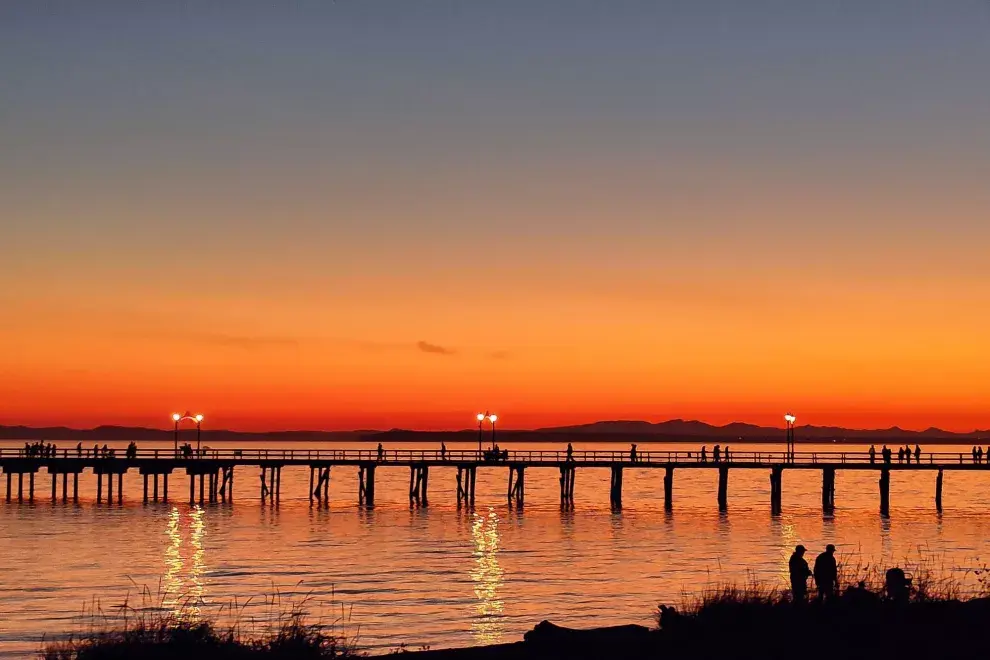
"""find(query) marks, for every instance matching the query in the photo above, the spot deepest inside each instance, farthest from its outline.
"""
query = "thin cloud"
(434, 349)
(498, 355)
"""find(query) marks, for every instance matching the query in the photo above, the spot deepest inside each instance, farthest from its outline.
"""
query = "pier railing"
(488, 456)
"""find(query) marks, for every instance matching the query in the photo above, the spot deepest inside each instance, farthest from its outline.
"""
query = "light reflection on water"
(183, 591)
(488, 626)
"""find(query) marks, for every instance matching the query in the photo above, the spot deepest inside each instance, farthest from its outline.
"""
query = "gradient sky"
(393, 214)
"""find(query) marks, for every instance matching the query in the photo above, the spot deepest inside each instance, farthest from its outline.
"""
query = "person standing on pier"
(716, 454)
(570, 452)
(826, 573)
(381, 452)
(873, 454)
(917, 453)
(79, 450)
(798, 568)
(632, 452)
(725, 453)
(443, 451)
(704, 454)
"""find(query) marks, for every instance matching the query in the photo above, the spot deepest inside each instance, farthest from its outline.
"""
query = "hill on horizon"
(670, 430)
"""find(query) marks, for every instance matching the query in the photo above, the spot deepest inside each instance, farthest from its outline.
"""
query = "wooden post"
(99, 488)
(723, 488)
(8, 486)
(165, 487)
(154, 494)
(615, 495)
(776, 489)
(202, 488)
(828, 490)
(424, 490)
(65, 487)
(120, 488)
(230, 486)
(472, 477)
(278, 484)
(668, 488)
(938, 491)
(75, 487)
(146, 488)
(31, 487)
(264, 484)
(885, 491)
(192, 489)
(311, 474)
(54, 487)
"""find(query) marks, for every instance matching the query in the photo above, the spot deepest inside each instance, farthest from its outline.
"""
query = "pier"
(211, 472)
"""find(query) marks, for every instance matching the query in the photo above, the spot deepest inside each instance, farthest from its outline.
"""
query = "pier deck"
(215, 470)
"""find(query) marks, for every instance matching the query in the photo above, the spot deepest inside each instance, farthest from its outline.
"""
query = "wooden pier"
(211, 473)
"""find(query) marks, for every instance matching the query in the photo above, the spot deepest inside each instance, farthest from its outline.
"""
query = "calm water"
(447, 577)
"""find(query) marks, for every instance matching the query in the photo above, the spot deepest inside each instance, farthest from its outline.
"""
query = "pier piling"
(723, 488)
(828, 490)
(668, 489)
(776, 489)
(884, 491)
(938, 491)
(615, 491)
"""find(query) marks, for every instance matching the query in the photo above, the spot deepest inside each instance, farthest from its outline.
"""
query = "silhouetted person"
(974, 453)
(897, 585)
(717, 454)
(54, 450)
(570, 452)
(443, 451)
(106, 451)
(798, 568)
(725, 453)
(632, 452)
(885, 452)
(96, 451)
(900, 454)
(381, 452)
(873, 454)
(79, 450)
(826, 573)
(704, 454)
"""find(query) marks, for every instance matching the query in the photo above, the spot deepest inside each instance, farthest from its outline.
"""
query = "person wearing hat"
(826, 573)
(799, 574)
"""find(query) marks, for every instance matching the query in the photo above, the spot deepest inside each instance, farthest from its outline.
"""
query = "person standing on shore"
(826, 573)
(798, 568)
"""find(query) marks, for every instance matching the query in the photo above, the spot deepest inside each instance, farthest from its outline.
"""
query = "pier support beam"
(366, 484)
(885, 491)
(145, 476)
(120, 488)
(75, 487)
(9, 476)
(668, 489)
(723, 488)
(99, 488)
(828, 490)
(31, 487)
(615, 491)
(567, 485)
(776, 489)
(65, 487)
(938, 491)
(466, 477)
(319, 481)
(517, 484)
(419, 476)
(165, 487)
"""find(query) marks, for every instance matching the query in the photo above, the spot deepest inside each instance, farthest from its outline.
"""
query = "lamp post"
(481, 420)
(199, 422)
(789, 418)
(175, 436)
(493, 419)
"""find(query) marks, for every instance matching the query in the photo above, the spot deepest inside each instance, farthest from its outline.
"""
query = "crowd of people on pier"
(39, 449)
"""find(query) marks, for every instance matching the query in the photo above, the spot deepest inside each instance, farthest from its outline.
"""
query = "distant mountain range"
(675, 430)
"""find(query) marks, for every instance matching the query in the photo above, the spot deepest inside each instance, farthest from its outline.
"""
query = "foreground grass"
(157, 632)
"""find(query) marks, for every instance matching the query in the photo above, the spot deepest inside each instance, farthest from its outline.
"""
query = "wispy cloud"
(498, 355)
(435, 349)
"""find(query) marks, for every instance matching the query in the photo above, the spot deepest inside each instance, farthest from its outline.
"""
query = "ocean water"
(445, 576)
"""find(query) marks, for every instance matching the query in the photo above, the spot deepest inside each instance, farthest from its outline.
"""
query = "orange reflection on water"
(183, 590)
(488, 626)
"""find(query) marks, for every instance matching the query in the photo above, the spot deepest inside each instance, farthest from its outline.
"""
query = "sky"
(374, 214)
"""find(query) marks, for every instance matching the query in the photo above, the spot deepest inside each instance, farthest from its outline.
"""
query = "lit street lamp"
(175, 418)
(789, 418)
(493, 418)
(481, 420)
